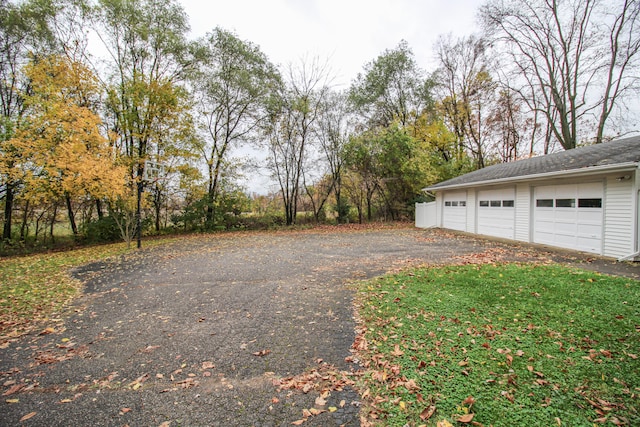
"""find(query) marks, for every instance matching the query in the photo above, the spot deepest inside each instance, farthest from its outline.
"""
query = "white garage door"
(496, 213)
(454, 212)
(569, 216)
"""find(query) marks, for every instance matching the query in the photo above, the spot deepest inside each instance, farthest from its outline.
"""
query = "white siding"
(523, 213)
(439, 203)
(471, 211)
(618, 218)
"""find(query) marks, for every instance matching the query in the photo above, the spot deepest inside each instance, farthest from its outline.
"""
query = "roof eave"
(618, 167)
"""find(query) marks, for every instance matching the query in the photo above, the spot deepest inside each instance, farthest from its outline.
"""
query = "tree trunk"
(8, 211)
(99, 209)
(53, 222)
(25, 217)
(157, 202)
(72, 216)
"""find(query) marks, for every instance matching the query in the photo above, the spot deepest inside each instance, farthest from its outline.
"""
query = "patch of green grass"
(510, 344)
(34, 287)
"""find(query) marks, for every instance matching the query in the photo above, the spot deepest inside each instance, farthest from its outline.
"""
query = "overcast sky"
(347, 33)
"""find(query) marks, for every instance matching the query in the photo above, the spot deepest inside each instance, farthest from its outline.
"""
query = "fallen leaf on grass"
(465, 418)
(444, 423)
(427, 412)
(396, 351)
(28, 416)
(469, 401)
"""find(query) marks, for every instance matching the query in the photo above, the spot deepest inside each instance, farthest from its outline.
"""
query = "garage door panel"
(455, 211)
(569, 223)
(495, 217)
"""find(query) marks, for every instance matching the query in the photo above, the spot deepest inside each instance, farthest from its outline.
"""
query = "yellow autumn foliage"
(62, 149)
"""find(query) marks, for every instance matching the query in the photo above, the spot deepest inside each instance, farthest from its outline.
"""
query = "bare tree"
(466, 91)
(292, 129)
(575, 59)
(333, 132)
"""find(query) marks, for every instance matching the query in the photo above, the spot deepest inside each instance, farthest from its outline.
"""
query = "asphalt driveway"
(207, 330)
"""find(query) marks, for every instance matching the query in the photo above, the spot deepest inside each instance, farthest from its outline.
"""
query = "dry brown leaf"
(427, 412)
(299, 422)
(14, 389)
(396, 351)
(28, 416)
(208, 365)
(465, 418)
(469, 401)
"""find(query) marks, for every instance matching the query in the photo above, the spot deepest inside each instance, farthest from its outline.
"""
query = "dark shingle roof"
(610, 153)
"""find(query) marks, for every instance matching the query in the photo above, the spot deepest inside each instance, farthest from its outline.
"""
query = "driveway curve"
(202, 331)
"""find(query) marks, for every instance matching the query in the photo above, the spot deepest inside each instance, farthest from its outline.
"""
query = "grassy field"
(501, 345)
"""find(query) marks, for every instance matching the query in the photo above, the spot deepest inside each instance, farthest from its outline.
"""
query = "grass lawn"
(501, 345)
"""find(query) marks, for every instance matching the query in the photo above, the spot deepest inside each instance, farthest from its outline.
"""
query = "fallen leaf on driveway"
(261, 353)
(29, 415)
(320, 401)
(14, 389)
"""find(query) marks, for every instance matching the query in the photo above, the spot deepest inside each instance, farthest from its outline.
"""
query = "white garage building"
(585, 199)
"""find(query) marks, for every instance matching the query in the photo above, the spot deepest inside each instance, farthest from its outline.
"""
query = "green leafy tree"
(391, 89)
(150, 57)
(232, 86)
